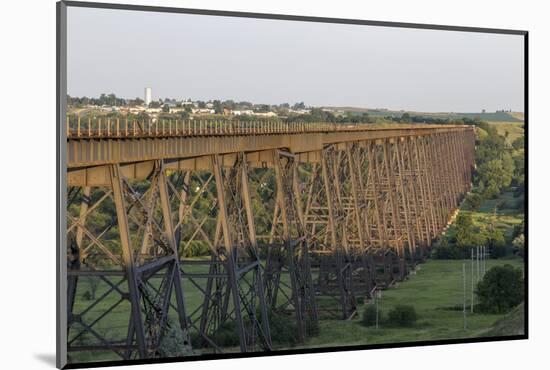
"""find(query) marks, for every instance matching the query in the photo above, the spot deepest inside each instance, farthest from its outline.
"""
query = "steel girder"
(130, 265)
(231, 282)
(328, 221)
(288, 276)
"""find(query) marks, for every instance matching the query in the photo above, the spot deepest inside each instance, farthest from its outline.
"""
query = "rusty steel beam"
(349, 207)
(133, 256)
(234, 289)
(287, 253)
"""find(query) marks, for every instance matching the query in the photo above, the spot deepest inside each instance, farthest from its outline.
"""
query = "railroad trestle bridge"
(299, 221)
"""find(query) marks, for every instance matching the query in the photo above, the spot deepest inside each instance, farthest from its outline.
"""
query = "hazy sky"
(274, 61)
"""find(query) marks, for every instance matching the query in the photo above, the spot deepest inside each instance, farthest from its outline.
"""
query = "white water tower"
(148, 96)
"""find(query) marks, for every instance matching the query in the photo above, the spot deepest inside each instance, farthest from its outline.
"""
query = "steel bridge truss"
(133, 263)
(231, 281)
(346, 220)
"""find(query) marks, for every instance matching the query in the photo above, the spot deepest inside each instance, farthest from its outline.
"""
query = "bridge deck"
(134, 142)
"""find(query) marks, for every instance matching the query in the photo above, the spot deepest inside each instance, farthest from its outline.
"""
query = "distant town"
(147, 107)
(187, 108)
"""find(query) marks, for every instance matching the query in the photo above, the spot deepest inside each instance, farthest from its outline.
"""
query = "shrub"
(283, 330)
(402, 315)
(174, 343)
(473, 201)
(369, 315)
(227, 335)
(500, 290)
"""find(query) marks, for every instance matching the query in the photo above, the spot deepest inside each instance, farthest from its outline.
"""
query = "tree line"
(500, 168)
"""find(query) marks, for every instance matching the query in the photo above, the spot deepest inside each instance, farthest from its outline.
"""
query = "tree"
(519, 168)
(299, 105)
(519, 245)
(473, 201)
(501, 289)
(111, 99)
(496, 174)
(496, 243)
(217, 106)
(155, 104)
(136, 102)
(263, 108)
(467, 235)
(406, 117)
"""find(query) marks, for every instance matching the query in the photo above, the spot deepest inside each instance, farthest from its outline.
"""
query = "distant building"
(299, 111)
(148, 96)
(265, 114)
(153, 110)
(243, 112)
(203, 111)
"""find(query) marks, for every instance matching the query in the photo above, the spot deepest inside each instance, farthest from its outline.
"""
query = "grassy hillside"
(489, 116)
(511, 324)
(514, 129)
(518, 115)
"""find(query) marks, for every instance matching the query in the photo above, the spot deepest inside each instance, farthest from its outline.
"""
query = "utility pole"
(472, 299)
(484, 259)
(377, 296)
(477, 262)
(464, 298)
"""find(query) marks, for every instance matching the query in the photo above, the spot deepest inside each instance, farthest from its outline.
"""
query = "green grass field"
(435, 289)
(436, 292)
